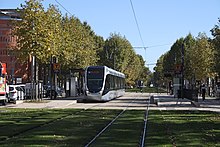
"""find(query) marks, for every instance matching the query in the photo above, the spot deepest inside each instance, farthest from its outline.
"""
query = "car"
(55, 93)
(217, 90)
(16, 92)
(34, 90)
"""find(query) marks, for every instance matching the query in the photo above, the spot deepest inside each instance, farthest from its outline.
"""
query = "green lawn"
(183, 128)
(74, 127)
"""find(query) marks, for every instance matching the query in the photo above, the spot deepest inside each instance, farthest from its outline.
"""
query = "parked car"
(217, 90)
(32, 91)
(54, 92)
(16, 92)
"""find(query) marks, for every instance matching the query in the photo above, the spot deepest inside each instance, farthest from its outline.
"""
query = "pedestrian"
(203, 91)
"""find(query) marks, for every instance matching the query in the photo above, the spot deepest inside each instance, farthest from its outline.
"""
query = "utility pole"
(51, 76)
(33, 87)
(182, 70)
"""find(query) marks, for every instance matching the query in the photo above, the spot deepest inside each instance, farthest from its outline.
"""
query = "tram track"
(73, 115)
(143, 134)
(22, 120)
(18, 133)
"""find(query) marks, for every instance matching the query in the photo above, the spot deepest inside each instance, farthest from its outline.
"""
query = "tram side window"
(107, 82)
(116, 82)
(111, 82)
(121, 83)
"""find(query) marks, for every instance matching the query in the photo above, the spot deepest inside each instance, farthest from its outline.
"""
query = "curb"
(196, 104)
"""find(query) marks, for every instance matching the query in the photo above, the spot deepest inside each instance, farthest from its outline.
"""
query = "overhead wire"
(137, 23)
(140, 47)
(138, 28)
(64, 8)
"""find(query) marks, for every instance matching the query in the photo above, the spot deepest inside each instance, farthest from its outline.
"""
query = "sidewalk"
(168, 102)
(161, 102)
(60, 102)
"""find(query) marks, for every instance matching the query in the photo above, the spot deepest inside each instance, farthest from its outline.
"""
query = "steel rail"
(16, 134)
(143, 137)
(108, 125)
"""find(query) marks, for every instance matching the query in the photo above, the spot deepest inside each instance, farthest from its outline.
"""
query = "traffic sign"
(56, 67)
(178, 68)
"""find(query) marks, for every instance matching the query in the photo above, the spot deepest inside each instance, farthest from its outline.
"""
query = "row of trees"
(46, 33)
(201, 57)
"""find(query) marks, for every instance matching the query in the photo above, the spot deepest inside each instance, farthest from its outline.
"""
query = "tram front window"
(95, 79)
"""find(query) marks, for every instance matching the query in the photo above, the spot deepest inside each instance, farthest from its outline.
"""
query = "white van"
(16, 92)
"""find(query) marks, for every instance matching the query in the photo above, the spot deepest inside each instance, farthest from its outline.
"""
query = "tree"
(159, 73)
(78, 49)
(116, 52)
(52, 39)
(173, 57)
(119, 54)
(199, 58)
(46, 34)
(216, 42)
(30, 30)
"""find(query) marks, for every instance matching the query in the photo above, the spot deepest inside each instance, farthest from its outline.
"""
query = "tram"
(103, 83)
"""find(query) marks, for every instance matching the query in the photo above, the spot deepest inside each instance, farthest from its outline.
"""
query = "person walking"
(203, 89)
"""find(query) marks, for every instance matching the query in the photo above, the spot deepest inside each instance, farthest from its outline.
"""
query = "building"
(16, 72)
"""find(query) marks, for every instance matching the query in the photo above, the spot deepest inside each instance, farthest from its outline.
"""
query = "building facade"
(16, 72)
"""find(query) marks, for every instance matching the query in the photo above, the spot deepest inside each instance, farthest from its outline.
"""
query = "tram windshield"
(95, 78)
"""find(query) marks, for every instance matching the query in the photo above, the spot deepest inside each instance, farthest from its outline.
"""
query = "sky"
(159, 22)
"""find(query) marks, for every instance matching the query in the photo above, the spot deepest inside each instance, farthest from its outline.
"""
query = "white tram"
(103, 83)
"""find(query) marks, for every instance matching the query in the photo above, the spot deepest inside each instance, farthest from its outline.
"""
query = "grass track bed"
(183, 128)
(74, 127)
(125, 131)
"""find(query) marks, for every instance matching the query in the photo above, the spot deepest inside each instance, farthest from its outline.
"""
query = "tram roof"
(110, 70)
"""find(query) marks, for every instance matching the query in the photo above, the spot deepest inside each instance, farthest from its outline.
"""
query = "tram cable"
(137, 22)
(64, 8)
